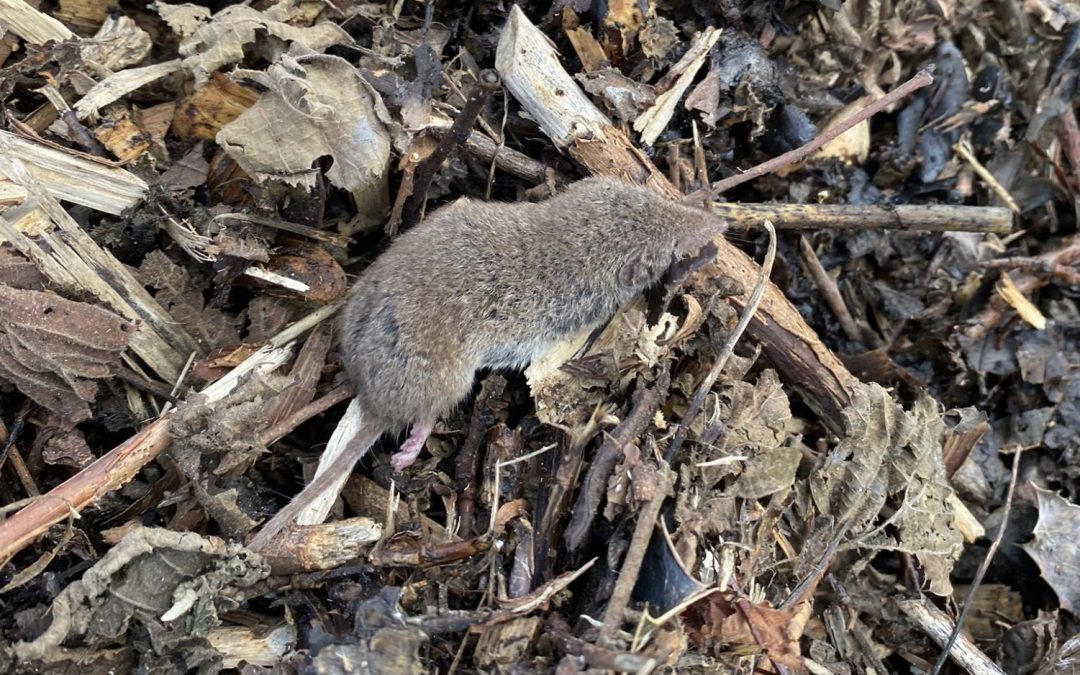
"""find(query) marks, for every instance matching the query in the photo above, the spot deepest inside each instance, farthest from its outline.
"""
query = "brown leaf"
(725, 619)
(51, 348)
(313, 266)
(315, 106)
(67, 448)
(184, 301)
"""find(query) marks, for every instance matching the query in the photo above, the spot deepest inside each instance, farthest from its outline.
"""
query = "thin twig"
(969, 599)
(925, 217)
(635, 555)
(702, 169)
(921, 79)
(830, 291)
(728, 348)
(961, 148)
(486, 83)
(332, 398)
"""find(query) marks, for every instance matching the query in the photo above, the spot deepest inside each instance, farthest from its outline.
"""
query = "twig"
(1026, 283)
(1070, 143)
(727, 350)
(285, 226)
(597, 657)
(702, 169)
(961, 148)
(924, 217)
(829, 290)
(11, 452)
(635, 555)
(335, 396)
(78, 132)
(969, 599)
(142, 383)
(646, 401)
(921, 79)
(487, 82)
(936, 624)
(1063, 270)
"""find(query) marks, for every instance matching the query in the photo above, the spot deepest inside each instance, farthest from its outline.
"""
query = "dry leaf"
(315, 106)
(1056, 547)
(182, 581)
(52, 349)
(889, 452)
(220, 41)
(184, 301)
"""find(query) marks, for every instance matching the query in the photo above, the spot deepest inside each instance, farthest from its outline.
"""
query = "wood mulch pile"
(885, 476)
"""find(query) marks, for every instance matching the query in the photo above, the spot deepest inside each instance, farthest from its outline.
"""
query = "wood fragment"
(311, 548)
(73, 177)
(120, 84)
(651, 123)
(31, 25)
(71, 259)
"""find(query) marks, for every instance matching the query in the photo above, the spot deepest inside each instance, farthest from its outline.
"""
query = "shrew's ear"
(636, 272)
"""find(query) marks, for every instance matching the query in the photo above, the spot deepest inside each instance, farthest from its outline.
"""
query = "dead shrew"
(493, 285)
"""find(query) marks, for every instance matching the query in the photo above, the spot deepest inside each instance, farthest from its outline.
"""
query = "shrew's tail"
(315, 500)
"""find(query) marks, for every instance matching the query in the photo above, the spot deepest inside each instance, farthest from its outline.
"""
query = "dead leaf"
(220, 40)
(621, 95)
(185, 302)
(316, 106)
(889, 452)
(658, 37)
(67, 448)
(182, 582)
(52, 349)
(726, 621)
(1056, 548)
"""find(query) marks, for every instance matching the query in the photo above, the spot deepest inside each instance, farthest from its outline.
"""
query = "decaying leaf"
(183, 299)
(67, 448)
(170, 584)
(316, 106)
(722, 620)
(886, 453)
(621, 95)
(313, 267)
(221, 39)
(1056, 548)
(52, 349)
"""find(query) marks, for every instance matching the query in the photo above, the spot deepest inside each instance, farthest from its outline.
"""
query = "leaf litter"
(795, 534)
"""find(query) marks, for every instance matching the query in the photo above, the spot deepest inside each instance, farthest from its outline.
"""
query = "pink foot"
(410, 449)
